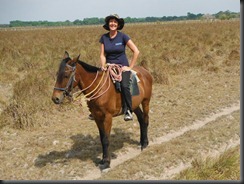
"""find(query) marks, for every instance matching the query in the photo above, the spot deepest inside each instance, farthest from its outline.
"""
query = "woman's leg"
(126, 95)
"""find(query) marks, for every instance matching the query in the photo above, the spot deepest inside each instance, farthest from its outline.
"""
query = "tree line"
(222, 15)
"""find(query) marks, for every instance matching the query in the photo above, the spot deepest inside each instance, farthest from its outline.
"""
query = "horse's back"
(146, 79)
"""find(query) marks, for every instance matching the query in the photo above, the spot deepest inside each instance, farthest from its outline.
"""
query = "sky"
(62, 10)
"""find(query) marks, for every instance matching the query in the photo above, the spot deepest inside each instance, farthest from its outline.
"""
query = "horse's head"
(65, 79)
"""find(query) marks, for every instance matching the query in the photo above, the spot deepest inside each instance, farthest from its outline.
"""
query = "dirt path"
(182, 166)
(132, 152)
(64, 153)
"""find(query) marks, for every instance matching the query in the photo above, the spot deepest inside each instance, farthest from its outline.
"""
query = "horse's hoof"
(104, 169)
(103, 165)
(143, 146)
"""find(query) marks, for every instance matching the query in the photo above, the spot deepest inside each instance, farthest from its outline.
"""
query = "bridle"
(70, 83)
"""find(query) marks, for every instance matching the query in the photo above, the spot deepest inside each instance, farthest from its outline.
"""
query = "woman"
(112, 50)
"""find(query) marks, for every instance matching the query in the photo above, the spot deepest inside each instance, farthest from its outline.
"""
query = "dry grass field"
(196, 71)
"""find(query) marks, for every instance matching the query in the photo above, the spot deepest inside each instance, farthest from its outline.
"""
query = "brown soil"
(70, 148)
(194, 111)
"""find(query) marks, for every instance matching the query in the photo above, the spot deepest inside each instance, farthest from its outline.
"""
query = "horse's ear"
(76, 59)
(66, 55)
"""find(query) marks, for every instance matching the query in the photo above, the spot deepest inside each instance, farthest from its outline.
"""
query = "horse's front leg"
(104, 125)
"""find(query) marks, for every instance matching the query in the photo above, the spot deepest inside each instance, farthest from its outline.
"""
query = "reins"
(94, 96)
(113, 70)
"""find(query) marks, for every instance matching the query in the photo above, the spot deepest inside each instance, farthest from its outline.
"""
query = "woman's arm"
(102, 57)
(135, 51)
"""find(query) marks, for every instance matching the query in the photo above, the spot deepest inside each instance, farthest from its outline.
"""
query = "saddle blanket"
(134, 89)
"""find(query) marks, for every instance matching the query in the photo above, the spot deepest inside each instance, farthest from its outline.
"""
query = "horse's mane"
(61, 70)
(88, 67)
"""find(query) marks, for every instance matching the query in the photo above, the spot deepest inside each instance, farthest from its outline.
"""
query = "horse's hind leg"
(143, 121)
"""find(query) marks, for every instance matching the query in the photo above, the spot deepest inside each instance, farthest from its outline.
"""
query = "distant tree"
(191, 16)
(226, 15)
(77, 22)
(91, 21)
(95, 20)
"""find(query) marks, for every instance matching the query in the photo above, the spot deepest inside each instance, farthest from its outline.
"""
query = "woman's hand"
(103, 68)
(126, 68)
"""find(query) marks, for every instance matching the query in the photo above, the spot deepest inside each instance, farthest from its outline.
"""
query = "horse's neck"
(86, 78)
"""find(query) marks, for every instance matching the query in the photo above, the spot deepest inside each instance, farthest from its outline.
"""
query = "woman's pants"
(125, 90)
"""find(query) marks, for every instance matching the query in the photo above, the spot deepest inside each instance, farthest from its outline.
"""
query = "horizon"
(62, 10)
(124, 18)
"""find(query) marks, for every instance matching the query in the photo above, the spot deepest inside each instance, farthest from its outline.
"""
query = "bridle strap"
(70, 82)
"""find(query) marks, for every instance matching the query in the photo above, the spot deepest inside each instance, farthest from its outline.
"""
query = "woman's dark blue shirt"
(114, 48)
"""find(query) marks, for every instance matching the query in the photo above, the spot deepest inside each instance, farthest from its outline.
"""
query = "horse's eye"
(66, 76)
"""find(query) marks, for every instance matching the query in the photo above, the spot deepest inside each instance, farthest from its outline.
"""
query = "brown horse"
(108, 102)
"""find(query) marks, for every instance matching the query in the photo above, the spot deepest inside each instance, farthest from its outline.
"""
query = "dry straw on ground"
(196, 70)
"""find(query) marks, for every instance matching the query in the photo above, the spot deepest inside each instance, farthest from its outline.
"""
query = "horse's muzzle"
(57, 99)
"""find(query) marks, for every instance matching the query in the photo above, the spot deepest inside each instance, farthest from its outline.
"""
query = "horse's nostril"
(56, 100)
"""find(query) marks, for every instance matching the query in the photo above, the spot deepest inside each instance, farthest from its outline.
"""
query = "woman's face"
(113, 24)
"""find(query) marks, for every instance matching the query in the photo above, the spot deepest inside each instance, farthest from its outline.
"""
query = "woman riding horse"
(112, 51)
(104, 101)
